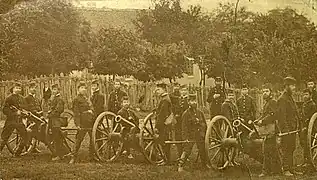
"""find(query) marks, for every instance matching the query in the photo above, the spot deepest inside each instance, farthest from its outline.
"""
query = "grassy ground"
(39, 166)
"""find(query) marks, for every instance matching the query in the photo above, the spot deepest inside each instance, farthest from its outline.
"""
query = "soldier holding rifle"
(12, 109)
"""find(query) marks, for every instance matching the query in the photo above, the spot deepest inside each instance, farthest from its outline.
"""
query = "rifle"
(28, 113)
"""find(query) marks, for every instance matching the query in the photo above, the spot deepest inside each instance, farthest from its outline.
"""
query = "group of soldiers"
(190, 121)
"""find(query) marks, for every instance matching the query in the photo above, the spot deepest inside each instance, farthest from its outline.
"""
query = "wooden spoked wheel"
(15, 141)
(219, 142)
(150, 142)
(108, 143)
(312, 139)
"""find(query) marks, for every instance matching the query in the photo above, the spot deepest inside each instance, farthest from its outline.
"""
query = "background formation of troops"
(190, 121)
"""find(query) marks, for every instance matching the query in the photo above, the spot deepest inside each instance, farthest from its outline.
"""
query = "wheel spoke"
(215, 155)
(226, 132)
(216, 132)
(103, 145)
(13, 139)
(147, 146)
(101, 139)
(214, 140)
(148, 131)
(315, 155)
(151, 152)
(213, 147)
(151, 124)
(102, 132)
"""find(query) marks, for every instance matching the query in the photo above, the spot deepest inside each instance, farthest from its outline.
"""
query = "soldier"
(287, 120)
(216, 97)
(32, 104)
(194, 129)
(115, 98)
(271, 163)
(97, 99)
(312, 88)
(129, 115)
(45, 103)
(54, 114)
(12, 107)
(83, 116)
(229, 108)
(163, 111)
(246, 105)
(179, 100)
(308, 109)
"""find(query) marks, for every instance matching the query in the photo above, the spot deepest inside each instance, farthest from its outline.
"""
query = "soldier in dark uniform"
(271, 163)
(163, 111)
(229, 109)
(308, 110)
(115, 98)
(84, 120)
(287, 120)
(246, 105)
(126, 113)
(216, 97)
(194, 129)
(54, 114)
(45, 102)
(179, 100)
(312, 88)
(97, 99)
(12, 107)
(32, 104)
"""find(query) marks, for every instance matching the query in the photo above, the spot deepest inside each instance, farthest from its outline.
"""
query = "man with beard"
(179, 99)
(83, 116)
(194, 130)
(12, 107)
(312, 88)
(32, 104)
(308, 109)
(216, 97)
(115, 98)
(271, 163)
(246, 105)
(287, 120)
(54, 114)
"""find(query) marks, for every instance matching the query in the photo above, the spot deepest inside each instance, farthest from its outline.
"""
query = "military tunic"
(115, 100)
(287, 118)
(98, 103)
(229, 110)
(194, 129)
(13, 121)
(246, 108)
(215, 103)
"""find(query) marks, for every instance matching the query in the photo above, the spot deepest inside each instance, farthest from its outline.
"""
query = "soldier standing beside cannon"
(54, 114)
(287, 121)
(179, 99)
(115, 98)
(97, 99)
(271, 162)
(229, 109)
(193, 130)
(215, 98)
(84, 120)
(12, 109)
(308, 110)
(246, 106)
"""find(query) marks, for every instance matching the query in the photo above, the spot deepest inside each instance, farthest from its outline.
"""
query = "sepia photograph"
(158, 89)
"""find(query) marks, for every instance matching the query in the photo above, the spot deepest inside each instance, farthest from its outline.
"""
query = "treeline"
(40, 37)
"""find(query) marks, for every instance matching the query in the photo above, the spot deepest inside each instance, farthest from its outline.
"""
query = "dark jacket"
(56, 108)
(115, 100)
(194, 124)
(287, 114)
(32, 104)
(269, 112)
(308, 110)
(246, 108)
(179, 104)
(229, 110)
(82, 117)
(98, 102)
(216, 103)
(129, 115)
(163, 110)
(11, 113)
(314, 95)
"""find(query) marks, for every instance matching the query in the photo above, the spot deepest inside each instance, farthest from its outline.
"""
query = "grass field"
(39, 166)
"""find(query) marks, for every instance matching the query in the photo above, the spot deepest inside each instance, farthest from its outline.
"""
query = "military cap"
(125, 98)
(306, 91)
(244, 85)
(310, 80)
(289, 81)
(81, 84)
(95, 82)
(32, 84)
(55, 86)
(192, 96)
(161, 85)
(218, 79)
(267, 86)
(230, 91)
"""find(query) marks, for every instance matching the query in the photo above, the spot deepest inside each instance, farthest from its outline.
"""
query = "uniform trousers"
(8, 129)
(288, 145)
